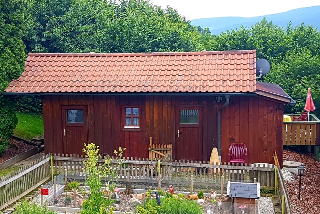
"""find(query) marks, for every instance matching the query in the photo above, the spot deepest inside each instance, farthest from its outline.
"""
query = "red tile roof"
(207, 71)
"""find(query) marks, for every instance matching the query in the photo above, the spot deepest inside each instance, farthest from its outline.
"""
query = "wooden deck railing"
(24, 181)
(301, 132)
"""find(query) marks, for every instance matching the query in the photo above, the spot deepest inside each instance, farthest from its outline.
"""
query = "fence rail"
(282, 193)
(177, 173)
(25, 180)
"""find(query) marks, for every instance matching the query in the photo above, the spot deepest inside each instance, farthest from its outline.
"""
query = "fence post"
(159, 182)
(222, 183)
(75, 197)
(41, 197)
(54, 187)
(51, 162)
(275, 180)
(283, 205)
(191, 185)
(316, 152)
(65, 177)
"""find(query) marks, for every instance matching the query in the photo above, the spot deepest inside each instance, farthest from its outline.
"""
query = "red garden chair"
(238, 153)
(302, 117)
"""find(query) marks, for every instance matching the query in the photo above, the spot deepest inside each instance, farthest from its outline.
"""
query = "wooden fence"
(282, 193)
(160, 151)
(25, 180)
(177, 173)
(301, 132)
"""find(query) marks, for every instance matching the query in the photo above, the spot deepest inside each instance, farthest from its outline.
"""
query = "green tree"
(39, 13)
(12, 57)
(298, 71)
(110, 26)
(293, 53)
(265, 37)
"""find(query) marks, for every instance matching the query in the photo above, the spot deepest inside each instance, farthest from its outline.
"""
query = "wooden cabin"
(192, 101)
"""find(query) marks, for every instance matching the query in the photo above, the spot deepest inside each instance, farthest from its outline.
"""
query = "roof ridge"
(146, 53)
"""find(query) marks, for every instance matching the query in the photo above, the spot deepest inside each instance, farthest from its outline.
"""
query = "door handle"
(178, 133)
(64, 132)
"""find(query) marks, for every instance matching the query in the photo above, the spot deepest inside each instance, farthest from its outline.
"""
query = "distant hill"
(308, 15)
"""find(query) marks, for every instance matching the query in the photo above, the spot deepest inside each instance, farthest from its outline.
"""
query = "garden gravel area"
(15, 147)
(128, 204)
(265, 205)
(310, 184)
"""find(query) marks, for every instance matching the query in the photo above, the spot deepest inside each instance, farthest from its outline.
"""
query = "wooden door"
(75, 128)
(188, 129)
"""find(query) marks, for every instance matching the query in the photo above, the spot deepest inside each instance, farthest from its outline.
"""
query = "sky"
(195, 9)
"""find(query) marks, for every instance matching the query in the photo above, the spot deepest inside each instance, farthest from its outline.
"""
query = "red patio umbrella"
(309, 103)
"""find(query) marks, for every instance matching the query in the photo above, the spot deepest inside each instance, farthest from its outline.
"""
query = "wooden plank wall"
(104, 122)
(257, 122)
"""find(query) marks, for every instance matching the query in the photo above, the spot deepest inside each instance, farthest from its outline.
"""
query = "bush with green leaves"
(172, 205)
(29, 104)
(201, 194)
(97, 202)
(31, 208)
(74, 185)
(8, 122)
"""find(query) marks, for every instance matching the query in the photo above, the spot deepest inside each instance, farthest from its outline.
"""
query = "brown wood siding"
(251, 120)
(256, 122)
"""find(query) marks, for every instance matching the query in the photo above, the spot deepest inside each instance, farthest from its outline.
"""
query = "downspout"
(219, 122)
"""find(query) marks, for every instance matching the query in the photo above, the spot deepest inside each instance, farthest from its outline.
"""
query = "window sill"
(131, 128)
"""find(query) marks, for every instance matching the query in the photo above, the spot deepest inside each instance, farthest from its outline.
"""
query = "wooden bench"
(238, 153)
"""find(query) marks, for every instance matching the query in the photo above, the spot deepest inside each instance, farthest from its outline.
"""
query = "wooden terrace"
(302, 133)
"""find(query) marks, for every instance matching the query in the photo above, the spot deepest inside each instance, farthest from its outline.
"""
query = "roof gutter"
(219, 121)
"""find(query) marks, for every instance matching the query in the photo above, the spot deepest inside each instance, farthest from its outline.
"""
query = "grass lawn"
(8, 170)
(29, 125)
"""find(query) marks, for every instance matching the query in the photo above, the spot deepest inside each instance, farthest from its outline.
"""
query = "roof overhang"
(132, 94)
(276, 97)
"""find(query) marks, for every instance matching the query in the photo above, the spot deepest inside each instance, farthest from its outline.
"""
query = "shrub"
(68, 199)
(97, 202)
(170, 205)
(200, 194)
(31, 208)
(29, 104)
(8, 122)
(73, 185)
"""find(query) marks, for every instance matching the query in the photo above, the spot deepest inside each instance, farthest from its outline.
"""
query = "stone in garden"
(134, 201)
(291, 164)
(80, 202)
(292, 170)
(117, 206)
(287, 176)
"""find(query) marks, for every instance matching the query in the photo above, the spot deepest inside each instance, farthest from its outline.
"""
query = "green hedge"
(8, 122)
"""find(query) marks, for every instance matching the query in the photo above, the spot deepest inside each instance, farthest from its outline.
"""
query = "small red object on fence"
(44, 191)
(238, 153)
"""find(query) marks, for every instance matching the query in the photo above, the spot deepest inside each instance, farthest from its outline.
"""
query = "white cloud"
(194, 9)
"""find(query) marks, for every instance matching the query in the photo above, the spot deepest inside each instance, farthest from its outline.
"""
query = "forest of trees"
(138, 26)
